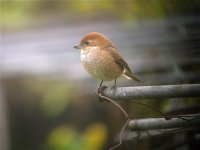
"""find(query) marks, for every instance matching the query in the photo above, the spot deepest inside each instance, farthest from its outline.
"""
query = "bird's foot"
(114, 88)
(100, 91)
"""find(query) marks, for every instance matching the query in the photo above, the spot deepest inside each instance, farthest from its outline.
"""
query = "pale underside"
(100, 65)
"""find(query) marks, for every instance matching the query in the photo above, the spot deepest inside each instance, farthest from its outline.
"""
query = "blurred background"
(47, 99)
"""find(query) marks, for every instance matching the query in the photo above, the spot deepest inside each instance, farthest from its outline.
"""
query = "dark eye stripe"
(87, 42)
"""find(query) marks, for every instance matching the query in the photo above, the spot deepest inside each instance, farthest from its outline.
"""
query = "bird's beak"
(77, 47)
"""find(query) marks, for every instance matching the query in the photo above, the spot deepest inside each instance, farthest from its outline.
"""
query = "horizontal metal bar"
(153, 134)
(162, 123)
(148, 92)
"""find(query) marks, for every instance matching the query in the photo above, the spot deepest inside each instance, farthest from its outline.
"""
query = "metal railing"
(168, 124)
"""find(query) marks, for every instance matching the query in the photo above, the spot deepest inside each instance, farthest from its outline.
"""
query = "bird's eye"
(87, 42)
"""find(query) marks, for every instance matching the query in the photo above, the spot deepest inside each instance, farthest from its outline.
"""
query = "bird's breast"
(100, 64)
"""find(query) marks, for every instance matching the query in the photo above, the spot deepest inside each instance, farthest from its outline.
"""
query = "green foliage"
(67, 138)
(55, 95)
(38, 103)
(56, 100)
(16, 14)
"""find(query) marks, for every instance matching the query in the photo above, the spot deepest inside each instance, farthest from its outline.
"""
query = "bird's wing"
(122, 63)
(118, 58)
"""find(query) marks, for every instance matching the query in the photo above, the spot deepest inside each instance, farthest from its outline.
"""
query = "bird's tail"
(129, 75)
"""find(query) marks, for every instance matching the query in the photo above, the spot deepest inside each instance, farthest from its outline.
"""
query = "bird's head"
(93, 39)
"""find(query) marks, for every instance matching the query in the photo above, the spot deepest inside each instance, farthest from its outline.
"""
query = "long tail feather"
(131, 76)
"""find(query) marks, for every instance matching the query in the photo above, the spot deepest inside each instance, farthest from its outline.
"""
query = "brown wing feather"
(122, 63)
(127, 71)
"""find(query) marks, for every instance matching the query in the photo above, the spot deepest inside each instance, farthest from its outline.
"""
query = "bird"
(101, 58)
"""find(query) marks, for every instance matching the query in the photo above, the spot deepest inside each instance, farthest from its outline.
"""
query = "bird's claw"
(100, 91)
(114, 88)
